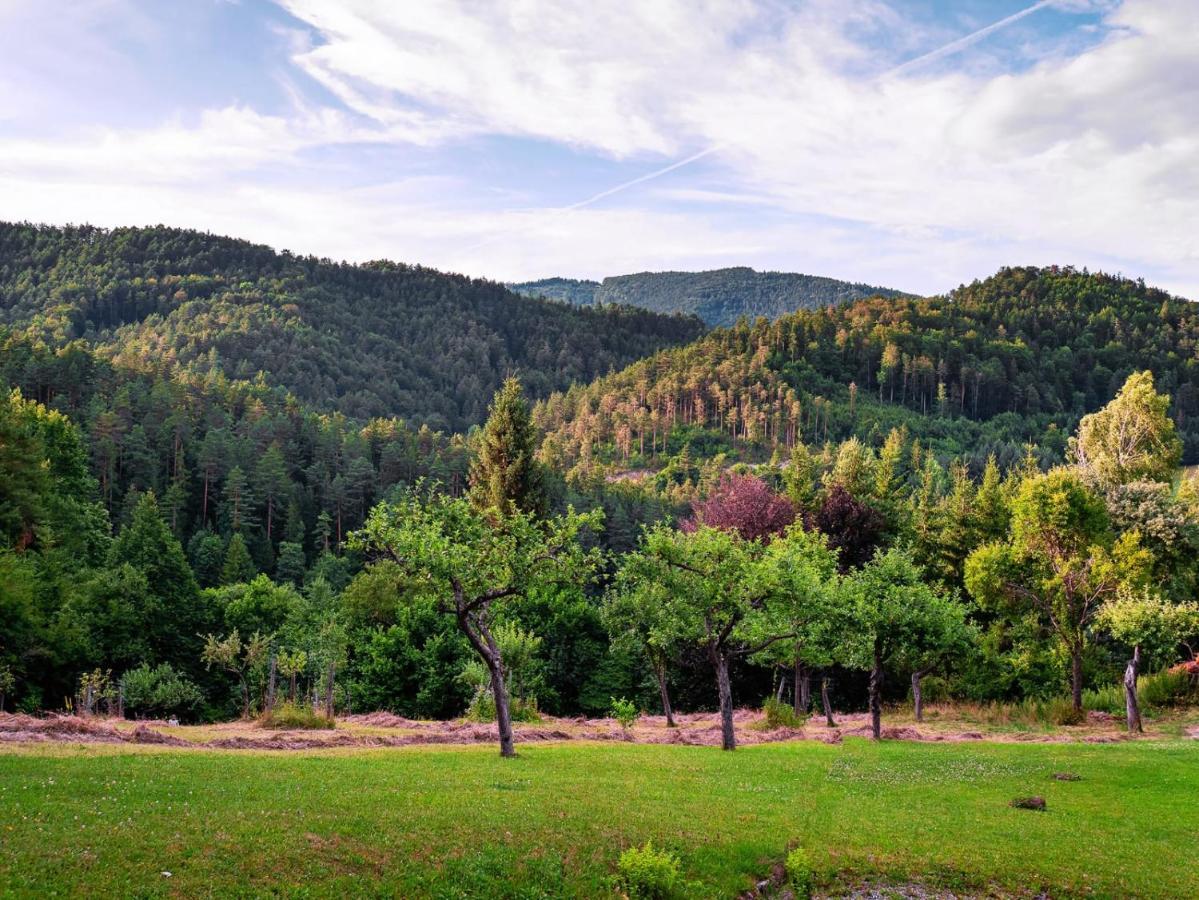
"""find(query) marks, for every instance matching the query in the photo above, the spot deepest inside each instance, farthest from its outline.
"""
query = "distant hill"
(380, 339)
(1017, 358)
(719, 297)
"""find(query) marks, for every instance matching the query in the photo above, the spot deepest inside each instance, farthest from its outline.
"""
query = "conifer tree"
(505, 474)
(239, 567)
(148, 545)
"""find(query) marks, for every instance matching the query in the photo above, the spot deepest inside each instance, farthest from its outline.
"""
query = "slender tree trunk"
(802, 701)
(918, 695)
(1131, 705)
(728, 738)
(329, 689)
(292, 695)
(824, 702)
(270, 686)
(245, 697)
(480, 638)
(876, 697)
(663, 690)
(503, 713)
(781, 686)
(1076, 678)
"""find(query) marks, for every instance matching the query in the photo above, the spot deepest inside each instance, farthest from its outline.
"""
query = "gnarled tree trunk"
(480, 638)
(876, 697)
(1132, 706)
(728, 738)
(824, 702)
(503, 713)
(918, 693)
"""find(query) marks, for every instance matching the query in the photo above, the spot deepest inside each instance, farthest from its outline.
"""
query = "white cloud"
(934, 175)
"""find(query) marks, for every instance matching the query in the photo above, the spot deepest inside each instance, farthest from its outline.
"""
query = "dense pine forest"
(198, 486)
(1013, 360)
(381, 339)
(719, 297)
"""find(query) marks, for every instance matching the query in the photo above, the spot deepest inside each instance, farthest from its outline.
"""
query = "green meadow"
(461, 822)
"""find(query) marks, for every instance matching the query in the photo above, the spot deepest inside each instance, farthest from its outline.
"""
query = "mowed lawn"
(461, 822)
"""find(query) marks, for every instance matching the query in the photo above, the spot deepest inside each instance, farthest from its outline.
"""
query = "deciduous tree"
(472, 561)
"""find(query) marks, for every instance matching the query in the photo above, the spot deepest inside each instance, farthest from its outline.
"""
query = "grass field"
(461, 822)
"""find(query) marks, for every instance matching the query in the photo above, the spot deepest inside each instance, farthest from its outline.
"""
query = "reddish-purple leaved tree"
(744, 504)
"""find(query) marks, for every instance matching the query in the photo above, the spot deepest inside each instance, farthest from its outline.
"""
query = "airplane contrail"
(964, 42)
(949, 49)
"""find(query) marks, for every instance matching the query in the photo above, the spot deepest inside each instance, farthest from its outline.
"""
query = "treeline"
(875, 571)
(720, 297)
(228, 457)
(1015, 359)
(381, 339)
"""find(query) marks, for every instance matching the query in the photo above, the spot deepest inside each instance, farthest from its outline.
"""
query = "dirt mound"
(891, 733)
(144, 735)
(75, 729)
(381, 720)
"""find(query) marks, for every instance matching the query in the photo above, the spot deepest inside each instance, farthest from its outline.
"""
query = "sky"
(915, 144)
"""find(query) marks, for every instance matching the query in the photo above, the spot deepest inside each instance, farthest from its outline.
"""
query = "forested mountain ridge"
(719, 296)
(1017, 358)
(380, 339)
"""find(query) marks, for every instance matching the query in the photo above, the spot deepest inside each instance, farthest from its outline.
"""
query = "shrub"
(1062, 712)
(160, 692)
(624, 711)
(294, 715)
(779, 715)
(482, 709)
(643, 873)
(1108, 699)
(799, 873)
(1173, 687)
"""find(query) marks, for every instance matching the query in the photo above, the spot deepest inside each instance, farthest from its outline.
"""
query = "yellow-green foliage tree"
(1060, 562)
(1131, 439)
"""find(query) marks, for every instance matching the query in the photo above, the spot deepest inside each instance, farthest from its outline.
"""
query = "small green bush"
(624, 711)
(160, 692)
(1062, 712)
(643, 873)
(780, 715)
(294, 715)
(799, 873)
(482, 709)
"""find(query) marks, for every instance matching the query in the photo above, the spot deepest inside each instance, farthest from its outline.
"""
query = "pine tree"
(148, 545)
(239, 567)
(505, 474)
(238, 501)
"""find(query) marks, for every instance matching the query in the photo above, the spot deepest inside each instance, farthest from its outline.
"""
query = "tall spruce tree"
(505, 474)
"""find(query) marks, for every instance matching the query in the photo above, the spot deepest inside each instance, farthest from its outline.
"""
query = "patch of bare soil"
(383, 729)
